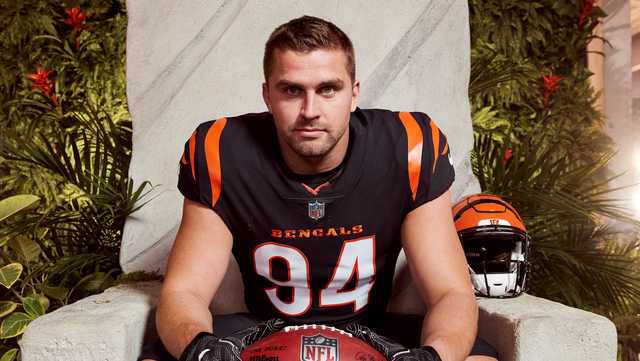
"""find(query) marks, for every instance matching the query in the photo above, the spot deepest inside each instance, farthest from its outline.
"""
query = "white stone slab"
(189, 62)
(535, 329)
(108, 326)
(111, 326)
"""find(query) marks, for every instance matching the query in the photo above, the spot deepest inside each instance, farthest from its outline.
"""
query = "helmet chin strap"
(483, 253)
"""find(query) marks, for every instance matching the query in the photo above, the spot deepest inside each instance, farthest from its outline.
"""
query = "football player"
(315, 199)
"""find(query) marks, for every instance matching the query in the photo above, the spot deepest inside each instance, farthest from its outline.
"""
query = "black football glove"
(208, 347)
(392, 350)
(423, 353)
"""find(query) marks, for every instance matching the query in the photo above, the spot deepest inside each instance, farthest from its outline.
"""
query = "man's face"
(311, 96)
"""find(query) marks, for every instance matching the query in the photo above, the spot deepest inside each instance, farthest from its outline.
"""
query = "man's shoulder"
(232, 138)
(237, 131)
(394, 123)
(378, 116)
(243, 120)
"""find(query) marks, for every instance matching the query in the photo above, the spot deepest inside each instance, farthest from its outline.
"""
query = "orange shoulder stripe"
(414, 150)
(192, 154)
(446, 148)
(435, 137)
(212, 154)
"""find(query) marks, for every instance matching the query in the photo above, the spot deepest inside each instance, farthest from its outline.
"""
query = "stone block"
(112, 326)
(108, 326)
(529, 328)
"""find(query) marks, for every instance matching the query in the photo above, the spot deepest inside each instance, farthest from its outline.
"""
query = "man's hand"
(208, 347)
(392, 350)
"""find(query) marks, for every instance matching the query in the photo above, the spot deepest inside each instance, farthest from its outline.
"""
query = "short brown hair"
(305, 34)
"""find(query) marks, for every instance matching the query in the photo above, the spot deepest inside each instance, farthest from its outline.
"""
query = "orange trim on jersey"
(192, 154)
(212, 155)
(446, 148)
(435, 136)
(414, 150)
(317, 189)
(183, 160)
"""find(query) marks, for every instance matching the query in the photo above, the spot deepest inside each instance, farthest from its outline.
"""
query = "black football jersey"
(323, 253)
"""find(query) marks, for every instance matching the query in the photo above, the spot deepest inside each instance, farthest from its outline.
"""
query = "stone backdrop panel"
(192, 61)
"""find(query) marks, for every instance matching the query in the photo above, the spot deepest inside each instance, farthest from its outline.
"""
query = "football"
(311, 343)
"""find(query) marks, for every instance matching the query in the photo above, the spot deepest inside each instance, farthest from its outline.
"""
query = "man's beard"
(315, 150)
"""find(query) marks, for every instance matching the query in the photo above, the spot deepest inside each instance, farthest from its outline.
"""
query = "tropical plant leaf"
(14, 325)
(6, 307)
(9, 274)
(27, 249)
(32, 307)
(14, 204)
(96, 281)
(58, 293)
(44, 301)
(10, 355)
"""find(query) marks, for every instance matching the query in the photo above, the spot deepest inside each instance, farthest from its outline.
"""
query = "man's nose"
(309, 108)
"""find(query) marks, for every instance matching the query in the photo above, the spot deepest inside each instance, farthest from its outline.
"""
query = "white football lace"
(314, 327)
(399, 353)
(201, 355)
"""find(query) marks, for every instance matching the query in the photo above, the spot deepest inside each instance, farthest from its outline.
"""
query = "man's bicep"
(200, 254)
(434, 251)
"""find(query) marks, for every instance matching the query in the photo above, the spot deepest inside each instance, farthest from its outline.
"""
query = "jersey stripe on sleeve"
(435, 135)
(415, 140)
(192, 154)
(212, 155)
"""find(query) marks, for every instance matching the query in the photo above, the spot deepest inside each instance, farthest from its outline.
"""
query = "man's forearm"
(179, 318)
(450, 326)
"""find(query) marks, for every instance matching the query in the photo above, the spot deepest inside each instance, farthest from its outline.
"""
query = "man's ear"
(355, 89)
(265, 96)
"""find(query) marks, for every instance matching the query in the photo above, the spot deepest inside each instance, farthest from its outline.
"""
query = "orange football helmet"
(496, 244)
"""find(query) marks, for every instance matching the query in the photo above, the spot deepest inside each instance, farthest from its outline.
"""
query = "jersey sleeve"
(430, 168)
(200, 174)
(187, 180)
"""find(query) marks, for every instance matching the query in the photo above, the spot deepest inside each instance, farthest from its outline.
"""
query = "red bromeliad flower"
(75, 18)
(585, 12)
(507, 155)
(42, 82)
(551, 84)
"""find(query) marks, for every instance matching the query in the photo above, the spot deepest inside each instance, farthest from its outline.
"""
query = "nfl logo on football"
(319, 348)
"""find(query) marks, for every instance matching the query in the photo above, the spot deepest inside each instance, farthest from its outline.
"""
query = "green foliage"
(9, 355)
(6, 307)
(65, 149)
(9, 274)
(14, 325)
(15, 204)
(539, 143)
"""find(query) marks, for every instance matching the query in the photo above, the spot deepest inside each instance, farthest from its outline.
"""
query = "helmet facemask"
(497, 257)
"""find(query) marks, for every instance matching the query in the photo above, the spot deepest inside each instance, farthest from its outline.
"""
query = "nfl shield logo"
(316, 210)
(319, 348)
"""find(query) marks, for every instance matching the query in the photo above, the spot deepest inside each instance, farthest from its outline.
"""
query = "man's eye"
(328, 90)
(292, 90)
